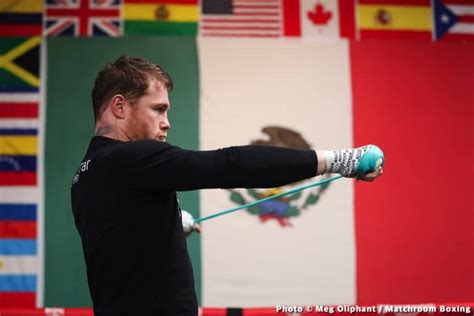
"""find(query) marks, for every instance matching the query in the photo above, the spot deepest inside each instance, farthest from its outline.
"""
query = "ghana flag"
(349, 242)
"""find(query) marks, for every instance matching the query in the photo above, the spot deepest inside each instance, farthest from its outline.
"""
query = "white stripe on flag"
(462, 9)
(303, 86)
(465, 28)
(19, 97)
(33, 123)
(18, 194)
(18, 265)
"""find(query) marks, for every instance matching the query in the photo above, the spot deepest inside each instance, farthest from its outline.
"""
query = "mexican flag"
(405, 238)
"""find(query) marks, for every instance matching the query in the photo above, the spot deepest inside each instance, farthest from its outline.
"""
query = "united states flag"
(83, 18)
(241, 18)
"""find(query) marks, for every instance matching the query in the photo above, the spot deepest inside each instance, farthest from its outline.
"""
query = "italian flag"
(406, 238)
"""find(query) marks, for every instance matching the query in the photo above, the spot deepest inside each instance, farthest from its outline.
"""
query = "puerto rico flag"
(83, 18)
(453, 19)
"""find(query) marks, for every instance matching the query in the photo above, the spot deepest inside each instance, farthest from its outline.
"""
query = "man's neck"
(104, 130)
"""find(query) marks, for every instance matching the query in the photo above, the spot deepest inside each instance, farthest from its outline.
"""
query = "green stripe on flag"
(7, 79)
(72, 67)
(159, 27)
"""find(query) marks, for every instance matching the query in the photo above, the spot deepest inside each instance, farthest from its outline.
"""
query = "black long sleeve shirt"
(126, 211)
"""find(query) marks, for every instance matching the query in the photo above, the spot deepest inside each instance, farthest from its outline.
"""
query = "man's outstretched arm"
(163, 166)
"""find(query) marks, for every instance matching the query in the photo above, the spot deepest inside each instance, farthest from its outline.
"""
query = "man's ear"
(118, 106)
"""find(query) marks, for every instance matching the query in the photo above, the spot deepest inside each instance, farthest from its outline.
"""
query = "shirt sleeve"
(157, 165)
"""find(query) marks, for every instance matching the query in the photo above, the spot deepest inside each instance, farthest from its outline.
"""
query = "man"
(124, 193)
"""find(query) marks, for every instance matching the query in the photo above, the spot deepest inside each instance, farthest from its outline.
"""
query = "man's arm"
(159, 165)
(155, 165)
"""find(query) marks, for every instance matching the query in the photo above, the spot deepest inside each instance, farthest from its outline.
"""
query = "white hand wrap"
(188, 221)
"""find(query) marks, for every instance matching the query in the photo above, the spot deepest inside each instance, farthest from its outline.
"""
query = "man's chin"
(161, 139)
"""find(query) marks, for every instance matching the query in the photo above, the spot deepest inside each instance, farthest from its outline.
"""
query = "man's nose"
(165, 124)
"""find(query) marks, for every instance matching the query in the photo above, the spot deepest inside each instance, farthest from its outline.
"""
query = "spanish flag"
(171, 17)
(393, 19)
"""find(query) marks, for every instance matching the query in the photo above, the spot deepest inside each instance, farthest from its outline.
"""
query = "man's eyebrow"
(162, 104)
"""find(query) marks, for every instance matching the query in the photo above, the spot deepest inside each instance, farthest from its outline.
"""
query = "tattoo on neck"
(104, 130)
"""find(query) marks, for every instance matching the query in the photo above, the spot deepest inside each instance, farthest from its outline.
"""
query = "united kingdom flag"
(83, 18)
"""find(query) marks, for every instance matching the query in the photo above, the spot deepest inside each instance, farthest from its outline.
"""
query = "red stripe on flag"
(17, 229)
(18, 110)
(216, 34)
(78, 312)
(92, 13)
(256, 14)
(163, 1)
(261, 311)
(371, 34)
(241, 28)
(458, 37)
(415, 222)
(17, 300)
(207, 20)
(83, 18)
(347, 18)
(213, 311)
(20, 30)
(466, 18)
(17, 178)
(460, 2)
(397, 2)
(241, 6)
(291, 18)
(59, 28)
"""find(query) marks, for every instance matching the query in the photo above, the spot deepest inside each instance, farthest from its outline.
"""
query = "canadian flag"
(319, 18)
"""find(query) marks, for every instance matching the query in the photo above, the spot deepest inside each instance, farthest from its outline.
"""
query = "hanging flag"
(409, 19)
(311, 19)
(453, 19)
(21, 17)
(18, 106)
(83, 18)
(178, 17)
(422, 107)
(241, 18)
(18, 148)
(18, 255)
(178, 55)
(319, 18)
(19, 66)
(19, 191)
(300, 83)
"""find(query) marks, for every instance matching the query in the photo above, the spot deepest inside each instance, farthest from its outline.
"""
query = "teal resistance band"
(369, 162)
(295, 190)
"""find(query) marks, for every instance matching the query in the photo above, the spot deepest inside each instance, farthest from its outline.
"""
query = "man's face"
(149, 115)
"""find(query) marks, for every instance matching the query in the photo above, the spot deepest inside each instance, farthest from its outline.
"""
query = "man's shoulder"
(142, 146)
(138, 152)
(100, 144)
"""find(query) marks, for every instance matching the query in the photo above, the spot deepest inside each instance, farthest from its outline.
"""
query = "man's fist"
(189, 226)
